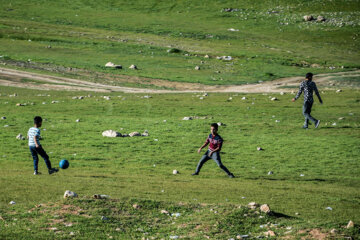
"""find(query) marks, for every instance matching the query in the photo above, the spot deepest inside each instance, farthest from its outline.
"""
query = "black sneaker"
(305, 127)
(317, 123)
(53, 170)
(231, 175)
(36, 173)
(193, 174)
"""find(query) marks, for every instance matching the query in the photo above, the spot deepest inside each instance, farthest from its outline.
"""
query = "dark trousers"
(306, 112)
(216, 157)
(34, 153)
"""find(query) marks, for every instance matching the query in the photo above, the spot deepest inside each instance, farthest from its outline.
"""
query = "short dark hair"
(309, 75)
(37, 120)
(215, 125)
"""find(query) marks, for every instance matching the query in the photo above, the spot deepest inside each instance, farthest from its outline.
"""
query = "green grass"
(273, 41)
(140, 169)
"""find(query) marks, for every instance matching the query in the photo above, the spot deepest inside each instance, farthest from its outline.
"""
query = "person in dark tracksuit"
(215, 143)
(308, 86)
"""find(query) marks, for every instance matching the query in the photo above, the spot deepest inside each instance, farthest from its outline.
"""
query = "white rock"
(233, 30)
(175, 172)
(3, 118)
(77, 120)
(175, 214)
(164, 212)
(277, 121)
(187, 118)
(101, 196)
(227, 58)
(243, 98)
(197, 68)
(106, 97)
(350, 224)
(253, 205)
(205, 94)
(334, 124)
(282, 93)
(69, 194)
(206, 56)
(109, 64)
(301, 175)
(308, 18)
(111, 133)
(221, 124)
(147, 96)
(265, 208)
(329, 208)
(274, 99)
(20, 137)
(134, 134)
(259, 148)
(133, 67)
(54, 101)
(339, 90)
(12, 202)
(270, 173)
(174, 237)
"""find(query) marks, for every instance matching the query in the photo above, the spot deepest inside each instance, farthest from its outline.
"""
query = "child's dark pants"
(34, 153)
(216, 157)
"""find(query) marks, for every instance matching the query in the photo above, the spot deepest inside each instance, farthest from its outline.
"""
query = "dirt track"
(14, 78)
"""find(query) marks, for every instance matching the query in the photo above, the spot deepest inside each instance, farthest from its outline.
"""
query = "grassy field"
(270, 39)
(312, 169)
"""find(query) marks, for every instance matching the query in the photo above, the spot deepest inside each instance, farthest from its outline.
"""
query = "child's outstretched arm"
(204, 145)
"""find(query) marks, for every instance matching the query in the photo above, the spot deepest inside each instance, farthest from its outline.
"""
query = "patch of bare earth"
(110, 83)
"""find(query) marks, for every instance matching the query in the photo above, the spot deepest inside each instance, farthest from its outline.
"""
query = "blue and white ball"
(64, 164)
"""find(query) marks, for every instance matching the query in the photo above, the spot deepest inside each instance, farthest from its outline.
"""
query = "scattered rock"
(334, 124)
(106, 98)
(227, 58)
(320, 19)
(277, 121)
(297, 214)
(12, 202)
(242, 237)
(20, 104)
(101, 196)
(205, 95)
(134, 134)
(133, 67)
(112, 65)
(221, 124)
(350, 224)
(164, 212)
(329, 208)
(54, 101)
(282, 93)
(253, 205)
(339, 90)
(175, 172)
(69, 194)
(136, 206)
(308, 18)
(147, 96)
(145, 133)
(334, 231)
(206, 56)
(341, 118)
(269, 233)
(259, 148)
(174, 237)
(233, 30)
(111, 133)
(243, 98)
(265, 208)
(20, 137)
(3, 118)
(104, 218)
(173, 50)
(197, 68)
(77, 120)
(187, 118)
(175, 214)
(270, 173)
(274, 99)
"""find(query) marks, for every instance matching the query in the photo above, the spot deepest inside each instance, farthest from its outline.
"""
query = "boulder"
(111, 133)
(350, 224)
(253, 205)
(20, 137)
(187, 118)
(308, 18)
(69, 194)
(320, 19)
(265, 208)
(134, 134)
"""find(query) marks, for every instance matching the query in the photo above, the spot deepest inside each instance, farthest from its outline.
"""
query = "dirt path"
(17, 78)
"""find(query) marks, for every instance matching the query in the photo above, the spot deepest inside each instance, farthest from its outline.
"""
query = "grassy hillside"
(312, 169)
(270, 40)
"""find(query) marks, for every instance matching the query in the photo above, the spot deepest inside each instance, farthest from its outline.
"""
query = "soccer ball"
(64, 164)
